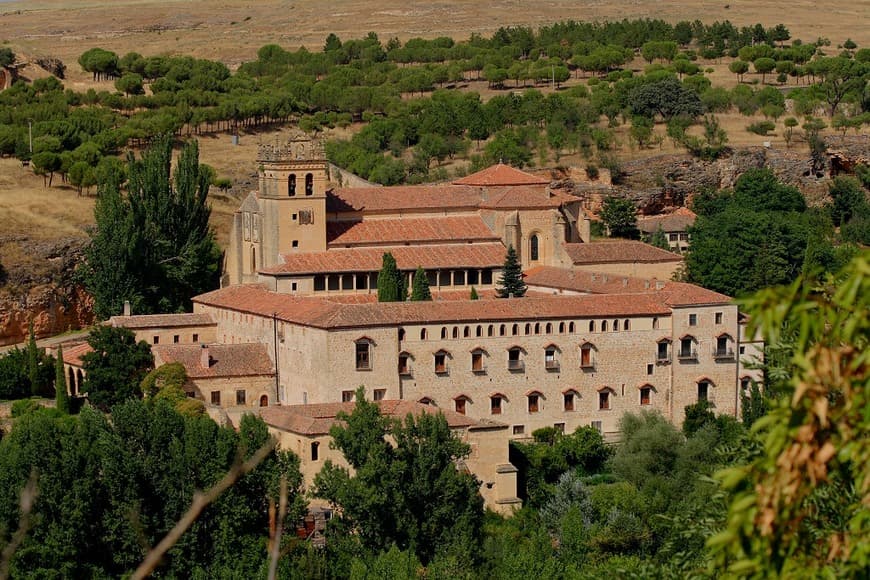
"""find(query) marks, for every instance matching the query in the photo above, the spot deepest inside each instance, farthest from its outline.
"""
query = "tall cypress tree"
(32, 362)
(420, 289)
(391, 284)
(61, 397)
(511, 281)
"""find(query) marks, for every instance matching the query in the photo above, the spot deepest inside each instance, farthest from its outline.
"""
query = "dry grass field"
(233, 30)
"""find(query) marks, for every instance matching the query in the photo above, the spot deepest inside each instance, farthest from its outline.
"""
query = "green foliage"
(849, 200)
(391, 282)
(473, 295)
(620, 216)
(761, 127)
(667, 98)
(698, 416)
(796, 508)
(7, 57)
(24, 407)
(408, 495)
(61, 396)
(660, 240)
(420, 286)
(153, 246)
(116, 366)
(118, 484)
(511, 283)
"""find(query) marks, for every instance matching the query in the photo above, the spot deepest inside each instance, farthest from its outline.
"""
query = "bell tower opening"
(291, 185)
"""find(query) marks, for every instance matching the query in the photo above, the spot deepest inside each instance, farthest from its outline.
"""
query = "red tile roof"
(536, 197)
(316, 419)
(441, 256)
(676, 221)
(668, 293)
(407, 197)
(162, 320)
(618, 251)
(414, 230)
(324, 313)
(501, 174)
(227, 360)
(73, 355)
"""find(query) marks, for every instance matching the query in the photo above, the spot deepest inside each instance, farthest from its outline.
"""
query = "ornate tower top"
(299, 147)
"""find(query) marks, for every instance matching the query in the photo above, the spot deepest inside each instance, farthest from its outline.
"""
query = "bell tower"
(292, 195)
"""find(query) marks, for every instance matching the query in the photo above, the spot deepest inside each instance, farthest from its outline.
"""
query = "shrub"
(24, 407)
(592, 171)
(761, 127)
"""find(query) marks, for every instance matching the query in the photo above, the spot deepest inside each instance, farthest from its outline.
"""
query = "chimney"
(594, 276)
(604, 278)
(204, 357)
(659, 284)
(511, 295)
(126, 308)
(646, 284)
(625, 282)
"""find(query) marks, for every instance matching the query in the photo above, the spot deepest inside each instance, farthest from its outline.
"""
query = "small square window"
(176, 339)
(241, 397)
(347, 396)
(742, 350)
(379, 394)
(295, 243)
(293, 217)
(519, 429)
(718, 318)
(215, 397)
(649, 369)
(293, 286)
(560, 427)
(693, 320)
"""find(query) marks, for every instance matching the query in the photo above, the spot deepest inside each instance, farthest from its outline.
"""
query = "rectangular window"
(662, 351)
(649, 369)
(703, 390)
(742, 350)
(315, 451)
(514, 362)
(718, 318)
(460, 406)
(495, 405)
(404, 369)
(645, 394)
(319, 283)
(693, 320)
(241, 397)
(215, 397)
(684, 237)
(347, 396)
(380, 394)
(176, 339)
(486, 277)
(560, 427)
(156, 340)
(477, 362)
(597, 426)
(293, 286)
(586, 357)
(295, 243)
(363, 363)
(534, 400)
(195, 338)
(604, 400)
(672, 237)
(686, 348)
(550, 362)
(440, 363)
(519, 429)
(568, 401)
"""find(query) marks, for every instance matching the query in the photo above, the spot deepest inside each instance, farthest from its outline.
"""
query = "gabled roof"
(453, 229)
(142, 321)
(73, 355)
(251, 203)
(226, 360)
(677, 221)
(618, 251)
(431, 257)
(402, 197)
(316, 419)
(501, 174)
(327, 314)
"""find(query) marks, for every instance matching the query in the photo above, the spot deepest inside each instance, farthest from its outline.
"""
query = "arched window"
(479, 330)
(604, 396)
(80, 379)
(533, 247)
(496, 402)
(646, 394)
(264, 400)
(315, 451)
(615, 325)
(571, 327)
(687, 348)
(587, 361)
(401, 334)
(443, 332)
(460, 402)
(537, 328)
(603, 326)
(655, 323)
(528, 328)
(533, 399)
(291, 185)
(441, 362)
(309, 184)
(455, 332)
(626, 324)
(489, 330)
(548, 329)
(427, 401)
(515, 329)
(466, 332)
(561, 328)
(422, 334)
(501, 330)
(704, 387)
(253, 259)
(591, 326)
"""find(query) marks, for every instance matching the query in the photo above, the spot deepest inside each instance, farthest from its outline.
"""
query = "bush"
(592, 171)
(24, 407)
(761, 127)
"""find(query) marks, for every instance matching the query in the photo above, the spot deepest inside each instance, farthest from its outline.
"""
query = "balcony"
(516, 366)
(551, 365)
(723, 353)
(663, 359)
(478, 369)
(588, 365)
(687, 354)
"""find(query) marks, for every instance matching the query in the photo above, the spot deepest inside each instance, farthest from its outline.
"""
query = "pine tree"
(511, 281)
(474, 295)
(420, 288)
(391, 284)
(33, 362)
(61, 397)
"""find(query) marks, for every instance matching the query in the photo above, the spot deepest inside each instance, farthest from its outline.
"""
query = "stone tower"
(292, 198)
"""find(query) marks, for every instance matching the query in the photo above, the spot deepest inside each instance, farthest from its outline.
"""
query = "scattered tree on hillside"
(7, 57)
(420, 287)
(153, 246)
(391, 282)
(511, 283)
(116, 366)
(667, 98)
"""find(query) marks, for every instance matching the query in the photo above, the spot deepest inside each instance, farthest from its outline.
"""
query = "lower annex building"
(296, 327)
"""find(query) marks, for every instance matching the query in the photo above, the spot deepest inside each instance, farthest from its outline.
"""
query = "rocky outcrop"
(40, 286)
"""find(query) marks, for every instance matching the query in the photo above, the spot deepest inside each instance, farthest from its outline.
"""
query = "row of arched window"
(526, 329)
(291, 184)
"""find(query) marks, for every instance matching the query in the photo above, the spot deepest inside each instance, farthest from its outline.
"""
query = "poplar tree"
(391, 285)
(420, 288)
(61, 397)
(511, 281)
(33, 362)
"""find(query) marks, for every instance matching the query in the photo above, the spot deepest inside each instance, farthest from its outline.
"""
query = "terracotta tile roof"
(667, 292)
(676, 221)
(537, 197)
(324, 313)
(72, 355)
(618, 251)
(432, 257)
(501, 174)
(317, 419)
(162, 320)
(406, 197)
(227, 360)
(488, 294)
(414, 230)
